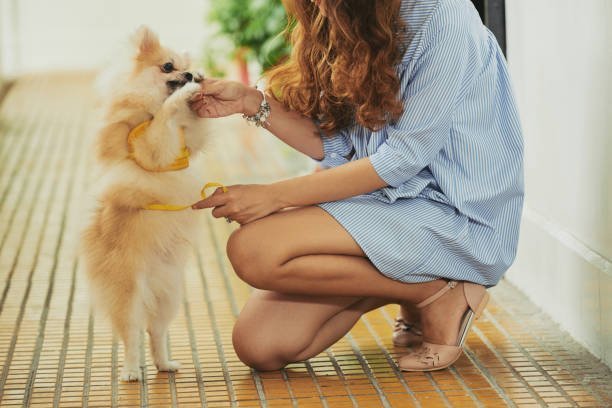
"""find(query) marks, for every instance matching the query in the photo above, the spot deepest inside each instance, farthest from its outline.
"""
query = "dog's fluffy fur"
(134, 258)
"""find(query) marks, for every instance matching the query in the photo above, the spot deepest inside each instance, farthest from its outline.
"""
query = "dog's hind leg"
(127, 323)
(168, 303)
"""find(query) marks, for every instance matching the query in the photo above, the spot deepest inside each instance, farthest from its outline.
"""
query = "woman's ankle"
(429, 289)
(441, 319)
(415, 293)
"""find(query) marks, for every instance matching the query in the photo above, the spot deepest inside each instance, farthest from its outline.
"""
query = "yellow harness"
(181, 162)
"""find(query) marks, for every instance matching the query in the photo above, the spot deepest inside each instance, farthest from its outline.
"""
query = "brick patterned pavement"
(55, 352)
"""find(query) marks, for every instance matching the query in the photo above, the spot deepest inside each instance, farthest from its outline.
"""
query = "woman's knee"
(253, 264)
(241, 251)
(252, 349)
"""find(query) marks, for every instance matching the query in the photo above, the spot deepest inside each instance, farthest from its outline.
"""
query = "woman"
(408, 103)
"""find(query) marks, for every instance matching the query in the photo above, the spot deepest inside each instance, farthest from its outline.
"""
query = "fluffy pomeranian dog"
(135, 256)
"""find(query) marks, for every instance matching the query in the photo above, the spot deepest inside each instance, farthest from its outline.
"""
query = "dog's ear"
(145, 41)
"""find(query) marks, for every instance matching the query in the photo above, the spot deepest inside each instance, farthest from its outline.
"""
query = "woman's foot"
(446, 317)
(407, 330)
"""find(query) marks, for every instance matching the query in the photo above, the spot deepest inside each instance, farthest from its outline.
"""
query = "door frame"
(493, 14)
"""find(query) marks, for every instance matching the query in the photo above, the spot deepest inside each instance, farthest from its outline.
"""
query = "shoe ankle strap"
(450, 285)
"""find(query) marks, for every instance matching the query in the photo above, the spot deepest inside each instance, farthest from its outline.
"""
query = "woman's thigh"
(292, 233)
(306, 251)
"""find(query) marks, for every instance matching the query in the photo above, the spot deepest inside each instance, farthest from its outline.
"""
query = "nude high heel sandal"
(430, 356)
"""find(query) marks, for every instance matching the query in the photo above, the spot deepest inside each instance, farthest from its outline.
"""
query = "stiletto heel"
(433, 356)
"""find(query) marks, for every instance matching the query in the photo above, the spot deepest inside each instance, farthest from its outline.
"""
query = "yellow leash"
(181, 162)
(175, 207)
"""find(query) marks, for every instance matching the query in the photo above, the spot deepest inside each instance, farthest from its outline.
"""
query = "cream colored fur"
(134, 257)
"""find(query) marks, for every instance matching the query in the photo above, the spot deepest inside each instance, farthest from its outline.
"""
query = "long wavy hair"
(342, 66)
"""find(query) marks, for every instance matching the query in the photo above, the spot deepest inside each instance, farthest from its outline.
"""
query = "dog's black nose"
(188, 76)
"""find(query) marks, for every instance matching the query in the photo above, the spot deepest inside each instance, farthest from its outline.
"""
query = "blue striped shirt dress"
(453, 161)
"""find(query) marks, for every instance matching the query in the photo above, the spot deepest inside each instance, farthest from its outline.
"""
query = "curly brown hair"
(342, 66)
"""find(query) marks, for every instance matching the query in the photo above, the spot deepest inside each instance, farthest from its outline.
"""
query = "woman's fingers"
(222, 211)
(210, 202)
(199, 104)
(209, 108)
(217, 98)
(212, 87)
(196, 106)
(217, 198)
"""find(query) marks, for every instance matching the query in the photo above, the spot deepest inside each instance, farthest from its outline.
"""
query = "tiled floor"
(54, 352)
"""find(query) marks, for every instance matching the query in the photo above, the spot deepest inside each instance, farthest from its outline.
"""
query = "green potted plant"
(254, 28)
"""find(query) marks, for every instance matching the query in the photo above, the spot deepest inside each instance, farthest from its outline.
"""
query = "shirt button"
(333, 155)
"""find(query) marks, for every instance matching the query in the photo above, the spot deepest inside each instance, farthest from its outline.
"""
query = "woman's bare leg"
(275, 329)
(305, 253)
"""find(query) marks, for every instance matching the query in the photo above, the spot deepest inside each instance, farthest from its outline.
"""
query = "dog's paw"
(189, 89)
(170, 366)
(185, 93)
(179, 100)
(131, 374)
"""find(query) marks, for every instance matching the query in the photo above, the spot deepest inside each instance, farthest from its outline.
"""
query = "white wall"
(560, 57)
(42, 35)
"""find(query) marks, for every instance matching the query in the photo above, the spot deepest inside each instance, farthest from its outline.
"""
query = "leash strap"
(175, 207)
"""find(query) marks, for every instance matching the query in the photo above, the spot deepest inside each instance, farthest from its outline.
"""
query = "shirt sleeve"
(431, 93)
(336, 148)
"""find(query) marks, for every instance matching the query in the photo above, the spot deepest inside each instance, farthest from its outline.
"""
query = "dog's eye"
(167, 67)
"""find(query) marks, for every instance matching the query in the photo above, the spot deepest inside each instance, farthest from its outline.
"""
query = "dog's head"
(148, 75)
(158, 68)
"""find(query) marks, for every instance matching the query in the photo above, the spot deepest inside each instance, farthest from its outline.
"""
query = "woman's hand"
(243, 203)
(219, 98)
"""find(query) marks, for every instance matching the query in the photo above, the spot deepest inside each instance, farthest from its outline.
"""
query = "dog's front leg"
(162, 143)
(159, 348)
(177, 104)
